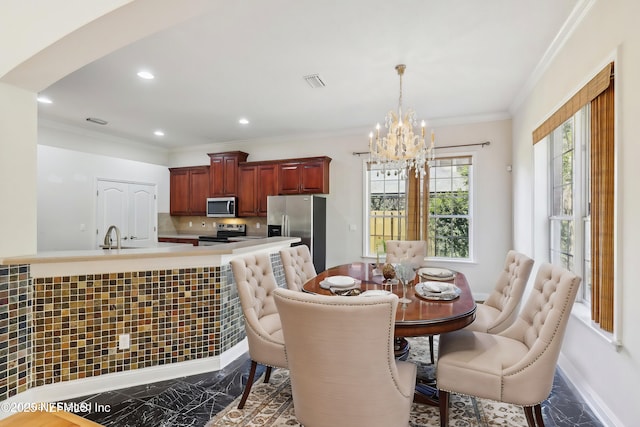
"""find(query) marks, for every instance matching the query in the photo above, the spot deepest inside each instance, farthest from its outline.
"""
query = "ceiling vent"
(97, 121)
(314, 81)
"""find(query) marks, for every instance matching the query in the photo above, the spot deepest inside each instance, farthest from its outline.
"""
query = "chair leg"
(431, 349)
(247, 386)
(538, 411)
(444, 407)
(267, 374)
(528, 412)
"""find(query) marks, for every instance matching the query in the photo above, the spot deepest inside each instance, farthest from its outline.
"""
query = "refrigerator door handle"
(286, 225)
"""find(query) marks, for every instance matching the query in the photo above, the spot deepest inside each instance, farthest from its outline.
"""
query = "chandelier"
(402, 148)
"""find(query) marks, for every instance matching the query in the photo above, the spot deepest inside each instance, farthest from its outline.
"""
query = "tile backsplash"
(168, 224)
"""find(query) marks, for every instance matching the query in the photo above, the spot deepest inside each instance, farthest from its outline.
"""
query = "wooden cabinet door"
(188, 190)
(199, 186)
(224, 172)
(312, 178)
(289, 178)
(305, 176)
(230, 175)
(247, 190)
(216, 176)
(267, 179)
(179, 192)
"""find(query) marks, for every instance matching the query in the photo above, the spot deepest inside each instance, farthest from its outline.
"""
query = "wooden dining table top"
(420, 316)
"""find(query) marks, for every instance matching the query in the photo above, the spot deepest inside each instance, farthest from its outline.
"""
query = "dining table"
(419, 317)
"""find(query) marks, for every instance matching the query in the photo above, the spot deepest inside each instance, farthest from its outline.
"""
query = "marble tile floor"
(194, 400)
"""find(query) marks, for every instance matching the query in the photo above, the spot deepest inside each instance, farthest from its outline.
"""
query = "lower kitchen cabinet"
(194, 242)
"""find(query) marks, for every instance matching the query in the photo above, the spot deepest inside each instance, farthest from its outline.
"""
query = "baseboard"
(587, 393)
(59, 392)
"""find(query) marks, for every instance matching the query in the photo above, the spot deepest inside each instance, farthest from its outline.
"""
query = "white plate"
(340, 281)
(437, 286)
(452, 291)
(435, 272)
(374, 293)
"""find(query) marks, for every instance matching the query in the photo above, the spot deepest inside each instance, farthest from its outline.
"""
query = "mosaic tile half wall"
(15, 330)
(56, 329)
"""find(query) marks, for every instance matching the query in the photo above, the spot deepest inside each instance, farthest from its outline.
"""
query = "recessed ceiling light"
(145, 75)
(44, 100)
(158, 133)
(243, 121)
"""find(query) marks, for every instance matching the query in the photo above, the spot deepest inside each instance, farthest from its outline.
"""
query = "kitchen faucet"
(107, 237)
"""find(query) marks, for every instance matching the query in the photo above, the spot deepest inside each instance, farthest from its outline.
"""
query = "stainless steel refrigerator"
(303, 216)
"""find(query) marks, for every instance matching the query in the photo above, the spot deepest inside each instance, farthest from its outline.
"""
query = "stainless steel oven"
(224, 232)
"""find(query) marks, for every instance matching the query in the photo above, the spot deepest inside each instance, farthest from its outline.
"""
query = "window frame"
(580, 215)
(366, 253)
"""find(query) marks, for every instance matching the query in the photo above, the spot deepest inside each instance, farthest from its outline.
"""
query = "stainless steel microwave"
(221, 207)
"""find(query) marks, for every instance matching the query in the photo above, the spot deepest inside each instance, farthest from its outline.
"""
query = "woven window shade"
(417, 206)
(602, 198)
(588, 93)
(600, 93)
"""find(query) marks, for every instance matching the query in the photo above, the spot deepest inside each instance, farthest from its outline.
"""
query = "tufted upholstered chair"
(254, 278)
(517, 365)
(340, 356)
(415, 250)
(298, 266)
(501, 308)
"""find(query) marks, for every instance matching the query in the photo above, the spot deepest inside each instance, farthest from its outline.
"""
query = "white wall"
(607, 377)
(67, 193)
(17, 171)
(492, 221)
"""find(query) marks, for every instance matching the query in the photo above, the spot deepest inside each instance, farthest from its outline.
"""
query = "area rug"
(271, 404)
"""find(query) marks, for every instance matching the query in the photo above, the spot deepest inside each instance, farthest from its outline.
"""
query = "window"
(449, 204)
(569, 197)
(582, 190)
(449, 208)
(386, 207)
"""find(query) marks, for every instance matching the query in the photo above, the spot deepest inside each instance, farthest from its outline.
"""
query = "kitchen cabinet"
(189, 189)
(194, 242)
(256, 181)
(304, 176)
(223, 174)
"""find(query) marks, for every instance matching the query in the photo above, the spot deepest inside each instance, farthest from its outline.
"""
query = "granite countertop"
(160, 251)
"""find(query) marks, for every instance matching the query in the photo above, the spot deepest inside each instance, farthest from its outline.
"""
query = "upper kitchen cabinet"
(256, 181)
(223, 174)
(304, 176)
(189, 189)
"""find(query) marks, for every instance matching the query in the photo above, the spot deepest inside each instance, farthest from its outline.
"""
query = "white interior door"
(132, 207)
(142, 214)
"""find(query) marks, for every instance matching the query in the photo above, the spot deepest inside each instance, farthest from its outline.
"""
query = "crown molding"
(575, 18)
